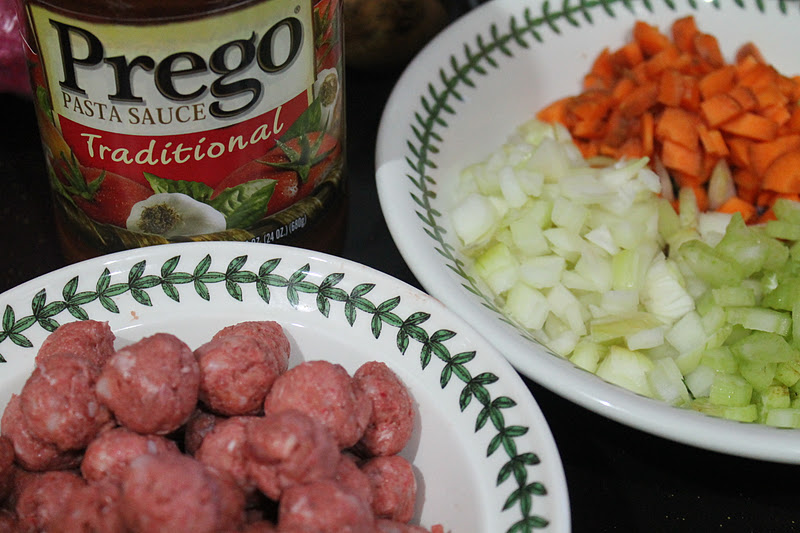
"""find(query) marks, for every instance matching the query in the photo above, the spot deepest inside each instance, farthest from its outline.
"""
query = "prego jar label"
(223, 126)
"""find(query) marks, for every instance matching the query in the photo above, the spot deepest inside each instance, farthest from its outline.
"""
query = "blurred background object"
(13, 71)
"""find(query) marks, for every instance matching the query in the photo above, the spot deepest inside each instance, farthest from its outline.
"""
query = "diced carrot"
(749, 50)
(683, 31)
(679, 126)
(707, 48)
(765, 217)
(769, 95)
(639, 100)
(720, 108)
(718, 81)
(678, 157)
(712, 140)
(739, 148)
(783, 175)
(734, 204)
(672, 97)
(649, 38)
(669, 57)
(670, 88)
(762, 154)
(648, 132)
(554, 112)
(629, 55)
(744, 96)
(752, 126)
(622, 89)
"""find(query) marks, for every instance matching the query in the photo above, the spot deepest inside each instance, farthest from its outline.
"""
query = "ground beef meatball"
(176, 493)
(392, 420)
(325, 392)
(196, 428)
(152, 385)
(383, 525)
(269, 334)
(235, 374)
(30, 452)
(289, 448)
(351, 477)
(393, 485)
(8, 521)
(44, 498)
(224, 449)
(6, 468)
(260, 526)
(88, 339)
(93, 508)
(59, 402)
(108, 456)
(324, 507)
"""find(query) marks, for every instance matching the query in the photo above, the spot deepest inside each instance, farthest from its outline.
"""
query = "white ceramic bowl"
(462, 97)
(485, 457)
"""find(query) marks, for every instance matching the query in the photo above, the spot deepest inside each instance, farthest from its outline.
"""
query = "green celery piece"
(763, 347)
(776, 396)
(605, 330)
(784, 418)
(748, 413)
(778, 229)
(730, 391)
(743, 246)
(777, 253)
(782, 289)
(734, 295)
(787, 211)
(788, 372)
(760, 319)
(759, 375)
(720, 359)
(710, 266)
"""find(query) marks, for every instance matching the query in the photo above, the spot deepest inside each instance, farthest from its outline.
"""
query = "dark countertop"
(620, 479)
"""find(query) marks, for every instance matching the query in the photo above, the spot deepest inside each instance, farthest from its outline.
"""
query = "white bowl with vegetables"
(602, 278)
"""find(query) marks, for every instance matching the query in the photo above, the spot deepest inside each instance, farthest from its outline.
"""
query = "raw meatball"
(235, 374)
(196, 428)
(261, 526)
(392, 419)
(224, 449)
(289, 448)
(394, 487)
(173, 492)
(324, 507)
(8, 521)
(6, 468)
(269, 334)
(93, 508)
(108, 456)
(44, 497)
(59, 402)
(382, 525)
(351, 477)
(328, 394)
(88, 339)
(30, 452)
(151, 386)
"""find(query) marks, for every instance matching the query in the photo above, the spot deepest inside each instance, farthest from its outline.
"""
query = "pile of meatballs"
(154, 437)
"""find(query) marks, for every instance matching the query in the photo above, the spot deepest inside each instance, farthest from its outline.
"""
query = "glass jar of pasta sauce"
(180, 120)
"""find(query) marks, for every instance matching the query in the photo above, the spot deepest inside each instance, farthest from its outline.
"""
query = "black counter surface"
(620, 479)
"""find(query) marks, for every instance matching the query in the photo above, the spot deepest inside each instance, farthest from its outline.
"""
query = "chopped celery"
(720, 359)
(784, 418)
(776, 396)
(710, 266)
(743, 246)
(759, 375)
(733, 295)
(763, 347)
(730, 391)
(626, 368)
(779, 229)
(747, 413)
(760, 319)
(787, 210)
(699, 380)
